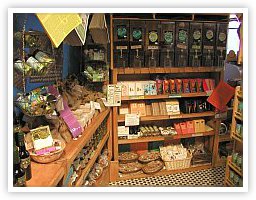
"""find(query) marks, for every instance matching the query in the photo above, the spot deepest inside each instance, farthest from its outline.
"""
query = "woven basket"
(178, 164)
(49, 157)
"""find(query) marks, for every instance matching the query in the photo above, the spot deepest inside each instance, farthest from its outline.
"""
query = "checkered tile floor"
(210, 177)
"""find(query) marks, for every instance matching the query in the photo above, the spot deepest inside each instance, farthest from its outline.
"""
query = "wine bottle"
(25, 162)
(18, 172)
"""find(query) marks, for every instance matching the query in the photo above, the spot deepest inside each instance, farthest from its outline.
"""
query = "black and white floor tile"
(207, 178)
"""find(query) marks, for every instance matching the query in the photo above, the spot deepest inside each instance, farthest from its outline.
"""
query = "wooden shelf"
(161, 138)
(164, 172)
(237, 137)
(164, 96)
(234, 167)
(121, 118)
(165, 70)
(90, 164)
(224, 138)
(46, 175)
(75, 146)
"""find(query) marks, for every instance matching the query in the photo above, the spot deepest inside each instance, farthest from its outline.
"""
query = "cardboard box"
(195, 44)
(124, 109)
(199, 82)
(183, 126)
(199, 125)
(133, 108)
(193, 85)
(178, 84)
(139, 88)
(152, 88)
(190, 127)
(125, 88)
(172, 107)
(123, 130)
(181, 48)
(146, 88)
(178, 128)
(172, 86)
(132, 88)
(141, 109)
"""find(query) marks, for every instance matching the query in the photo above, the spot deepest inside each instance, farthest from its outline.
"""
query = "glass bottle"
(18, 172)
(25, 161)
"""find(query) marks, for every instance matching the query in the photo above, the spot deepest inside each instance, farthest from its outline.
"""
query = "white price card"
(132, 120)
(114, 95)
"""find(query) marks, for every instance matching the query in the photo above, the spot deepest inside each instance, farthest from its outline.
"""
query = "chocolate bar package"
(221, 43)
(199, 82)
(209, 35)
(181, 48)
(152, 43)
(195, 44)
(178, 83)
(137, 38)
(121, 43)
(193, 85)
(166, 86)
(186, 86)
(172, 86)
(167, 41)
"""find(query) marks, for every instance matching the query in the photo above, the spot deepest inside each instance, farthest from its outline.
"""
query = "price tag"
(136, 97)
(114, 95)
(174, 96)
(197, 134)
(97, 105)
(132, 120)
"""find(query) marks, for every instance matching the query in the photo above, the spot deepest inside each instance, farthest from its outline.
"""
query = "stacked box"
(195, 44)
(167, 41)
(137, 37)
(181, 48)
(221, 43)
(209, 35)
(152, 43)
(121, 43)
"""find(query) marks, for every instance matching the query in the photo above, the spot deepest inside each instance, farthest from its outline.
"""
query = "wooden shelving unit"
(136, 73)
(52, 174)
(237, 139)
(90, 164)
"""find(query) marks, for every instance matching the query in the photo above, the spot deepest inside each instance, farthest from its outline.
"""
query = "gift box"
(183, 126)
(178, 128)
(190, 127)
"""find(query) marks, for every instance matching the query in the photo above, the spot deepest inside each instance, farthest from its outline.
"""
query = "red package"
(159, 86)
(199, 82)
(166, 86)
(206, 84)
(178, 83)
(178, 128)
(186, 88)
(192, 84)
(172, 86)
(190, 127)
(183, 127)
(221, 95)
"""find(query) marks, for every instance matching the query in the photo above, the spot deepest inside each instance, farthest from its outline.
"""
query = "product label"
(221, 48)
(121, 47)
(153, 36)
(136, 47)
(21, 181)
(209, 34)
(168, 37)
(196, 47)
(182, 46)
(182, 36)
(121, 32)
(222, 37)
(208, 47)
(153, 47)
(136, 34)
(197, 35)
(24, 163)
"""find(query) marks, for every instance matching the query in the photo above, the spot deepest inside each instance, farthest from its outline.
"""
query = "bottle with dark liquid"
(25, 162)
(18, 172)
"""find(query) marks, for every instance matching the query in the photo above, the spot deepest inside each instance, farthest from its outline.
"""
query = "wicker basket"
(178, 164)
(49, 157)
